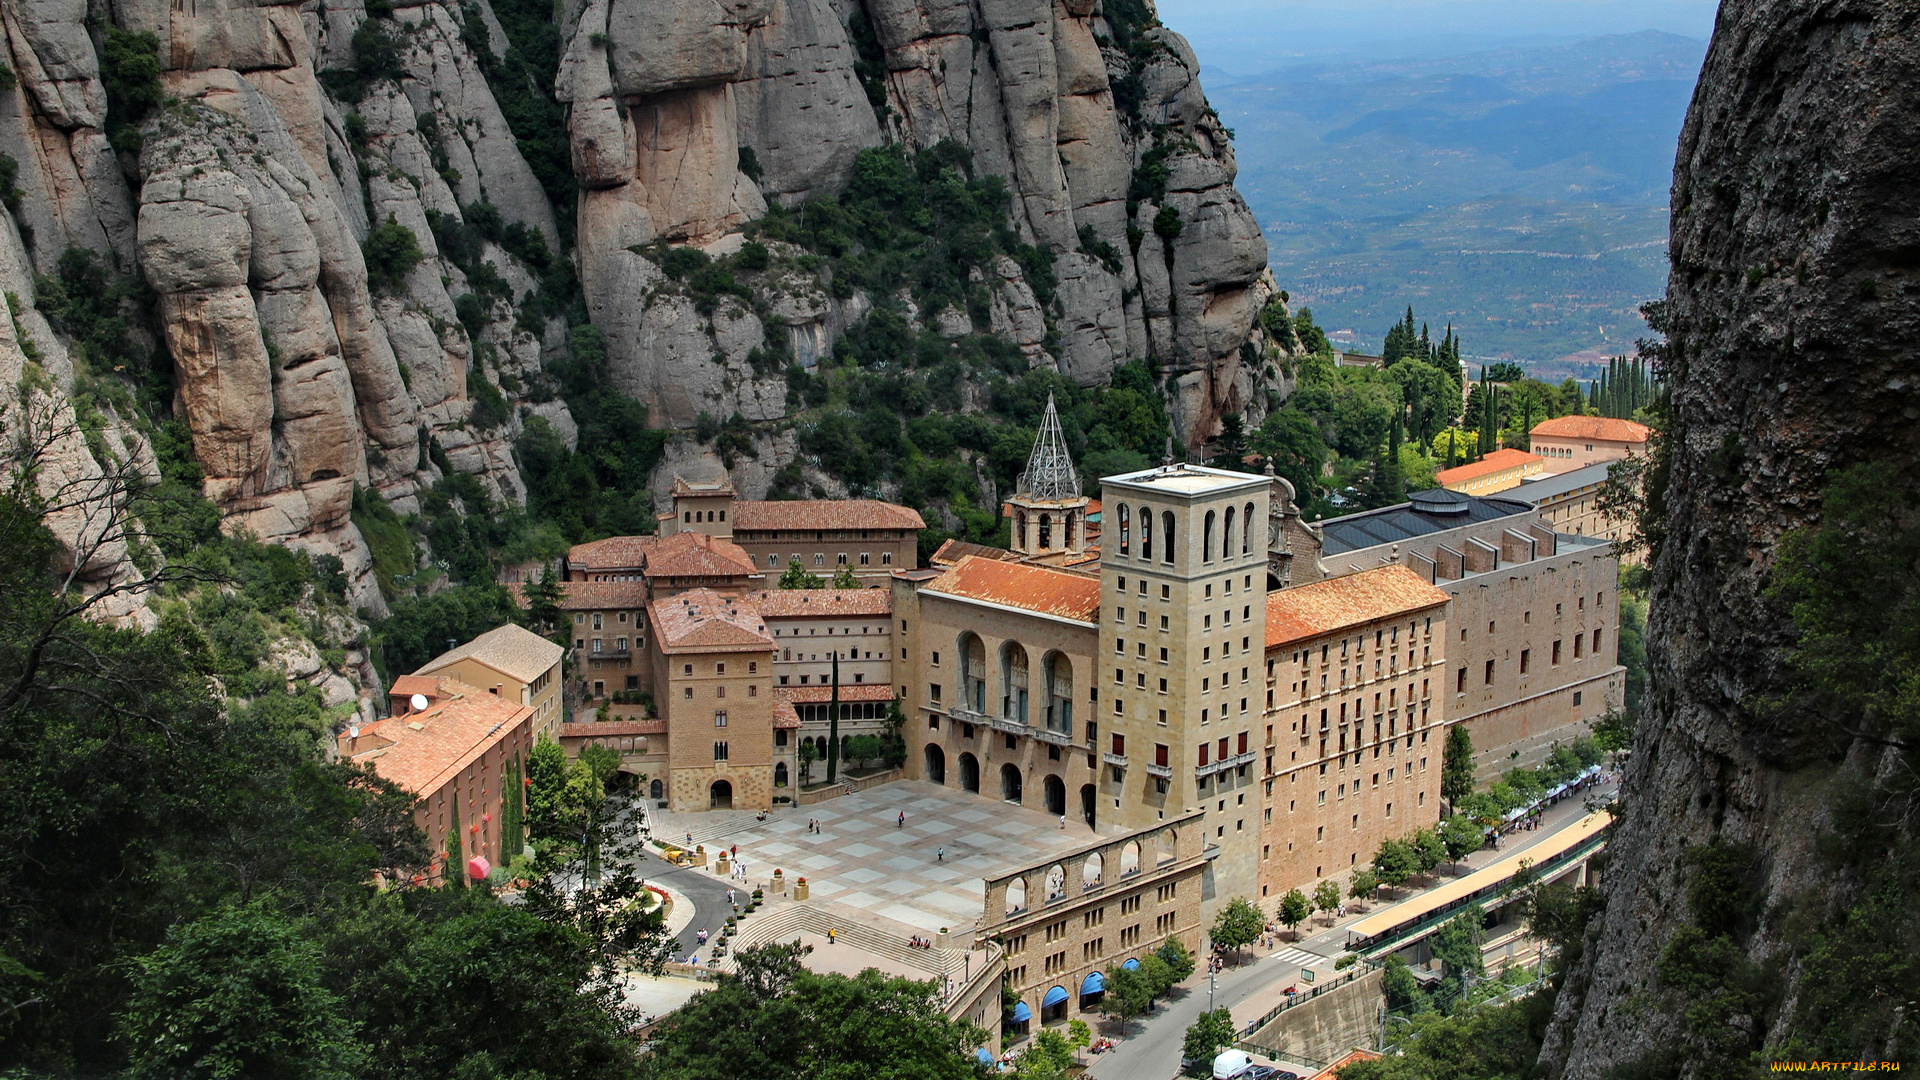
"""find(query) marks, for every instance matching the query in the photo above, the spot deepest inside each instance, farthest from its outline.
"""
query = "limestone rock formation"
(1791, 325)
(245, 210)
(665, 108)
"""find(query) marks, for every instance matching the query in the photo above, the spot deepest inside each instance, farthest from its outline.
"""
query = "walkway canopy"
(1094, 983)
(1131, 965)
(1054, 997)
(984, 1056)
(1022, 1014)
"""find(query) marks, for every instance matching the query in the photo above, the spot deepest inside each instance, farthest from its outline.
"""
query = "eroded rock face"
(1791, 326)
(246, 215)
(662, 107)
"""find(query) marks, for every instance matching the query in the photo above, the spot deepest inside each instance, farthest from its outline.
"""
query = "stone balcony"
(1223, 765)
(1118, 761)
(1160, 772)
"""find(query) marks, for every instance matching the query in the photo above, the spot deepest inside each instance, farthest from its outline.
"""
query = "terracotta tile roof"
(688, 555)
(1593, 427)
(511, 650)
(593, 728)
(953, 551)
(826, 603)
(1309, 611)
(1029, 588)
(785, 715)
(1498, 461)
(821, 695)
(613, 553)
(811, 514)
(1332, 1071)
(702, 620)
(421, 751)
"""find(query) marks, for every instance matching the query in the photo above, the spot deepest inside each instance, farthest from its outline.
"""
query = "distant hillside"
(1520, 192)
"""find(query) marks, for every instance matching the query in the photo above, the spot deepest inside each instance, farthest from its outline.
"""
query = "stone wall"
(1329, 1025)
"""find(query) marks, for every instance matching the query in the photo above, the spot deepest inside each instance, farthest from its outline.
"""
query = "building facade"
(870, 538)
(711, 661)
(1570, 503)
(459, 749)
(1575, 442)
(511, 662)
(1355, 721)
(608, 624)
(1531, 647)
(1496, 472)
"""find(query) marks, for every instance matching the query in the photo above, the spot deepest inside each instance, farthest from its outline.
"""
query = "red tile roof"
(1593, 427)
(821, 695)
(952, 551)
(599, 595)
(822, 603)
(1037, 589)
(785, 715)
(692, 555)
(1308, 611)
(613, 553)
(1498, 461)
(702, 620)
(807, 515)
(421, 751)
(1351, 1056)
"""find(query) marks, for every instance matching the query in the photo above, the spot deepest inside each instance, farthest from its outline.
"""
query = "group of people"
(918, 942)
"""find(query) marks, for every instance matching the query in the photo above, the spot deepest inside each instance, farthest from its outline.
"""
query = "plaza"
(864, 862)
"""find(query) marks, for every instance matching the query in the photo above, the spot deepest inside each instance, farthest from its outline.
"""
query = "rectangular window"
(719, 751)
(1119, 745)
(1160, 754)
(933, 692)
(1489, 675)
(719, 719)
(1596, 642)
(1460, 681)
(1526, 655)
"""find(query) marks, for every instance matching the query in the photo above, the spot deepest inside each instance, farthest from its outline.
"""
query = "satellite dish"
(419, 702)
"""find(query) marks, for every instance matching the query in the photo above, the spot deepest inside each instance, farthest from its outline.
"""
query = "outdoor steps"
(789, 919)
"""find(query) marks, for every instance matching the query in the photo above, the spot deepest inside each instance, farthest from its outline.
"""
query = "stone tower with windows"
(1049, 512)
(1184, 564)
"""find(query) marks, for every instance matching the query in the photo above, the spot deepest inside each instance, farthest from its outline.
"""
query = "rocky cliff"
(274, 199)
(1790, 317)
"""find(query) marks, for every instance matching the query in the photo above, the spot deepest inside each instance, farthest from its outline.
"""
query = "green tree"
(1394, 862)
(772, 1018)
(547, 774)
(1326, 897)
(1237, 925)
(1461, 836)
(1363, 884)
(1457, 943)
(1207, 1035)
(1429, 851)
(237, 992)
(1047, 1057)
(1456, 765)
(1128, 994)
(1178, 958)
(845, 578)
(391, 251)
(543, 603)
(1079, 1036)
(1294, 909)
(1405, 996)
(798, 577)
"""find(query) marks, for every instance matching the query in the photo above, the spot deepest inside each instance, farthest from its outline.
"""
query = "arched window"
(973, 672)
(1126, 529)
(1046, 532)
(1246, 532)
(1226, 537)
(1166, 527)
(1146, 533)
(1206, 538)
(1013, 680)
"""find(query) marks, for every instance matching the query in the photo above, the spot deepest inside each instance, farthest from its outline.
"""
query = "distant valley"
(1520, 193)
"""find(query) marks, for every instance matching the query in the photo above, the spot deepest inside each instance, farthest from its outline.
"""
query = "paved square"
(862, 859)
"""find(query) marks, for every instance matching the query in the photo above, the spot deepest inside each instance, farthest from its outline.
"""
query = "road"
(1151, 1050)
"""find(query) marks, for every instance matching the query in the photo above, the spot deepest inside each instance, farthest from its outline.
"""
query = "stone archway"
(1055, 790)
(1087, 797)
(933, 766)
(969, 773)
(720, 796)
(1010, 782)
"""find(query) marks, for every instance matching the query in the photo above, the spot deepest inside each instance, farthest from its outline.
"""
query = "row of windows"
(720, 692)
(720, 668)
(1526, 661)
(1233, 518)
(580, 617)
(820, 559)
(812, 630)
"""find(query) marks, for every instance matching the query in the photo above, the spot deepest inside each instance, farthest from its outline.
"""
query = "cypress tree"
(456, 851)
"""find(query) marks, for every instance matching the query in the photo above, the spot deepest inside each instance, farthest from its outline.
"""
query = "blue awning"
(1022, 1014)
(1131, 965)
(1094, 983)
(985, 1056)
(1054, 997)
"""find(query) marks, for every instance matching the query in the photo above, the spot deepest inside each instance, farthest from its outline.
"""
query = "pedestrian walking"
(830, 934)
(729, 896)
(702, 935)
(903, 820)
(1063, 821)
(735, 851)
(940, 855)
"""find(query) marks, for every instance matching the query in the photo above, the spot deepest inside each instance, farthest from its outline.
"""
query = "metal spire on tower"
(1050, 475)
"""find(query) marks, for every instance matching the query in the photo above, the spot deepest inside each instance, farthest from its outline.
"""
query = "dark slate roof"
(1425, 513)
(1548, 487)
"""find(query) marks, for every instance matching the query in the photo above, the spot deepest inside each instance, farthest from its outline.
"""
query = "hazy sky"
(1247, 36)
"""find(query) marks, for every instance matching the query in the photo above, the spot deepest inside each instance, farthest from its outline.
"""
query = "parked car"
(1269, 1072)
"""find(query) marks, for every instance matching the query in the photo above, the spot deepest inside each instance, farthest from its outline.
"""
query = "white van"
(1232, 1064)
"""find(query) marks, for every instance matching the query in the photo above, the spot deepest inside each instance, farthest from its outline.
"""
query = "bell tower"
(1049, 512)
